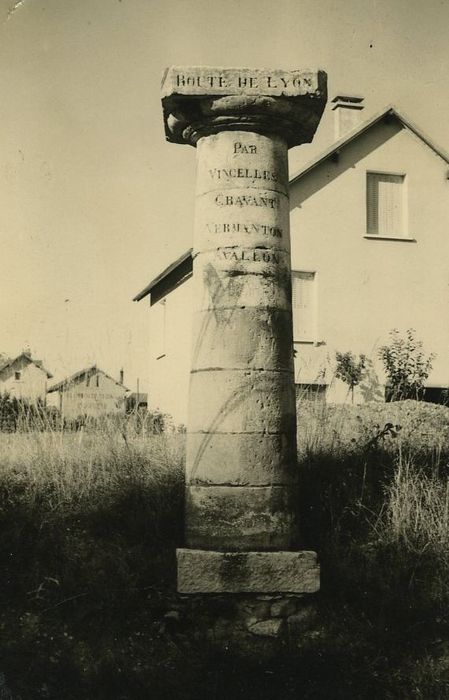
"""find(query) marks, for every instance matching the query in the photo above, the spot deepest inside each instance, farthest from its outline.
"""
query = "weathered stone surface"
(254, 611)
(199, 101)
(267, 628)
(229, 278)
(283, 607)
(253, 572)
(235, 401)
(254, 338)
(241, 459)
(241, 518)
(304, 619)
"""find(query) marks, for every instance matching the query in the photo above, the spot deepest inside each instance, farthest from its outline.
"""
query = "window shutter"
(384, 204)
(303, 306)
(157, 329)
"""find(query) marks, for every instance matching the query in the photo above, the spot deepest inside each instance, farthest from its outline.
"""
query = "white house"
(370, 251)
(23, 378)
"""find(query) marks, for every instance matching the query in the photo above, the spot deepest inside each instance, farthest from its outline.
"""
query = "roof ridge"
(73, 377)
(360, 129)
(38, 363)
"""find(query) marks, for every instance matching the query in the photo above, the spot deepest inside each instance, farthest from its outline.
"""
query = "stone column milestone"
(241, 468)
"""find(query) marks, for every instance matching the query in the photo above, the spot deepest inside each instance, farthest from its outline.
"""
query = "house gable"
(23, 377)
(89, 392)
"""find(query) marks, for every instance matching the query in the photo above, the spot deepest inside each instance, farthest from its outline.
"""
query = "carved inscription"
(247, 255)
(233, 80)
(250, 173)
(242, 148)
(236, 227)
(246, 200)
(261, 192)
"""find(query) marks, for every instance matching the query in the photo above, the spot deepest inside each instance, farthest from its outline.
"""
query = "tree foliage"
(350, 369)
(406, 365)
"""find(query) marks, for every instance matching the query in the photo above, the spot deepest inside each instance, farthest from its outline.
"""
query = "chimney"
(122, 376)
(347, 110)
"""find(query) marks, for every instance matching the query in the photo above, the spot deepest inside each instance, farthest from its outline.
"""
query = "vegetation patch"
(90, 520)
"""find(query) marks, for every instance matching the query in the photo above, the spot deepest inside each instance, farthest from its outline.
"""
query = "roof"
(181, 269)
(6, 362)
(389, 112)
(168, 279)
(79, 376)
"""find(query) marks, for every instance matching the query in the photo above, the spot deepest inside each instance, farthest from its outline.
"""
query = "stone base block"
(201, 571)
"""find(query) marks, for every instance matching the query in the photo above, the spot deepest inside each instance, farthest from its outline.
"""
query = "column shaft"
(241, 443)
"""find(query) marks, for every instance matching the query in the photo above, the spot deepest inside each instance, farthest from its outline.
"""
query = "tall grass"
(417, 511)
(89, 523)
(75, 466)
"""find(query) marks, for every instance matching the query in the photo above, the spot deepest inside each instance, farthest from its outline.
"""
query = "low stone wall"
(250, 624)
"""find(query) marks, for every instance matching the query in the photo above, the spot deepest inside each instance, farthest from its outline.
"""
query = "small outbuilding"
(89, 392)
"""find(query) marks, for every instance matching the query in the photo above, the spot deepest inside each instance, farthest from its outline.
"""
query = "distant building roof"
(78, 377)
(181, 269)
(6, 362)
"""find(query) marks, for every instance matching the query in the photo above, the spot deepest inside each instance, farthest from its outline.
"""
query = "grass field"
(89, 523)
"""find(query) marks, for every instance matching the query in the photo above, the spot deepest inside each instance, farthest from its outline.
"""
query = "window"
(385, 205)
(157, 331)
(97, 380)
(17, 375)
(304, 307)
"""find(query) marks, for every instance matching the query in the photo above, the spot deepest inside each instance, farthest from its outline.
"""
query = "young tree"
(406, 365)
(350, 369)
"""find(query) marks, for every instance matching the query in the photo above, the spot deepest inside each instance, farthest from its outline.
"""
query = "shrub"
(406, 365)
(20, 414)
(350, 370)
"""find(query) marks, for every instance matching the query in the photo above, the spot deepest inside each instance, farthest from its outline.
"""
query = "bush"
(350, 370)
(406, 365)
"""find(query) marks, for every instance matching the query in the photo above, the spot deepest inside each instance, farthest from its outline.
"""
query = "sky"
(94, 202)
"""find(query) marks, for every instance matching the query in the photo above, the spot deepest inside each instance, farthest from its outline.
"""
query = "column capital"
(199, 101)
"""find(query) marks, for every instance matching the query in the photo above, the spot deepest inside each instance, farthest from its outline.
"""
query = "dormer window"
(17, 376)
(385, 205)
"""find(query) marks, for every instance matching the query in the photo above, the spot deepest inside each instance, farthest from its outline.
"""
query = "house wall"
(85, 398)
(170, 352)
(32, 384)
(364, 287)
